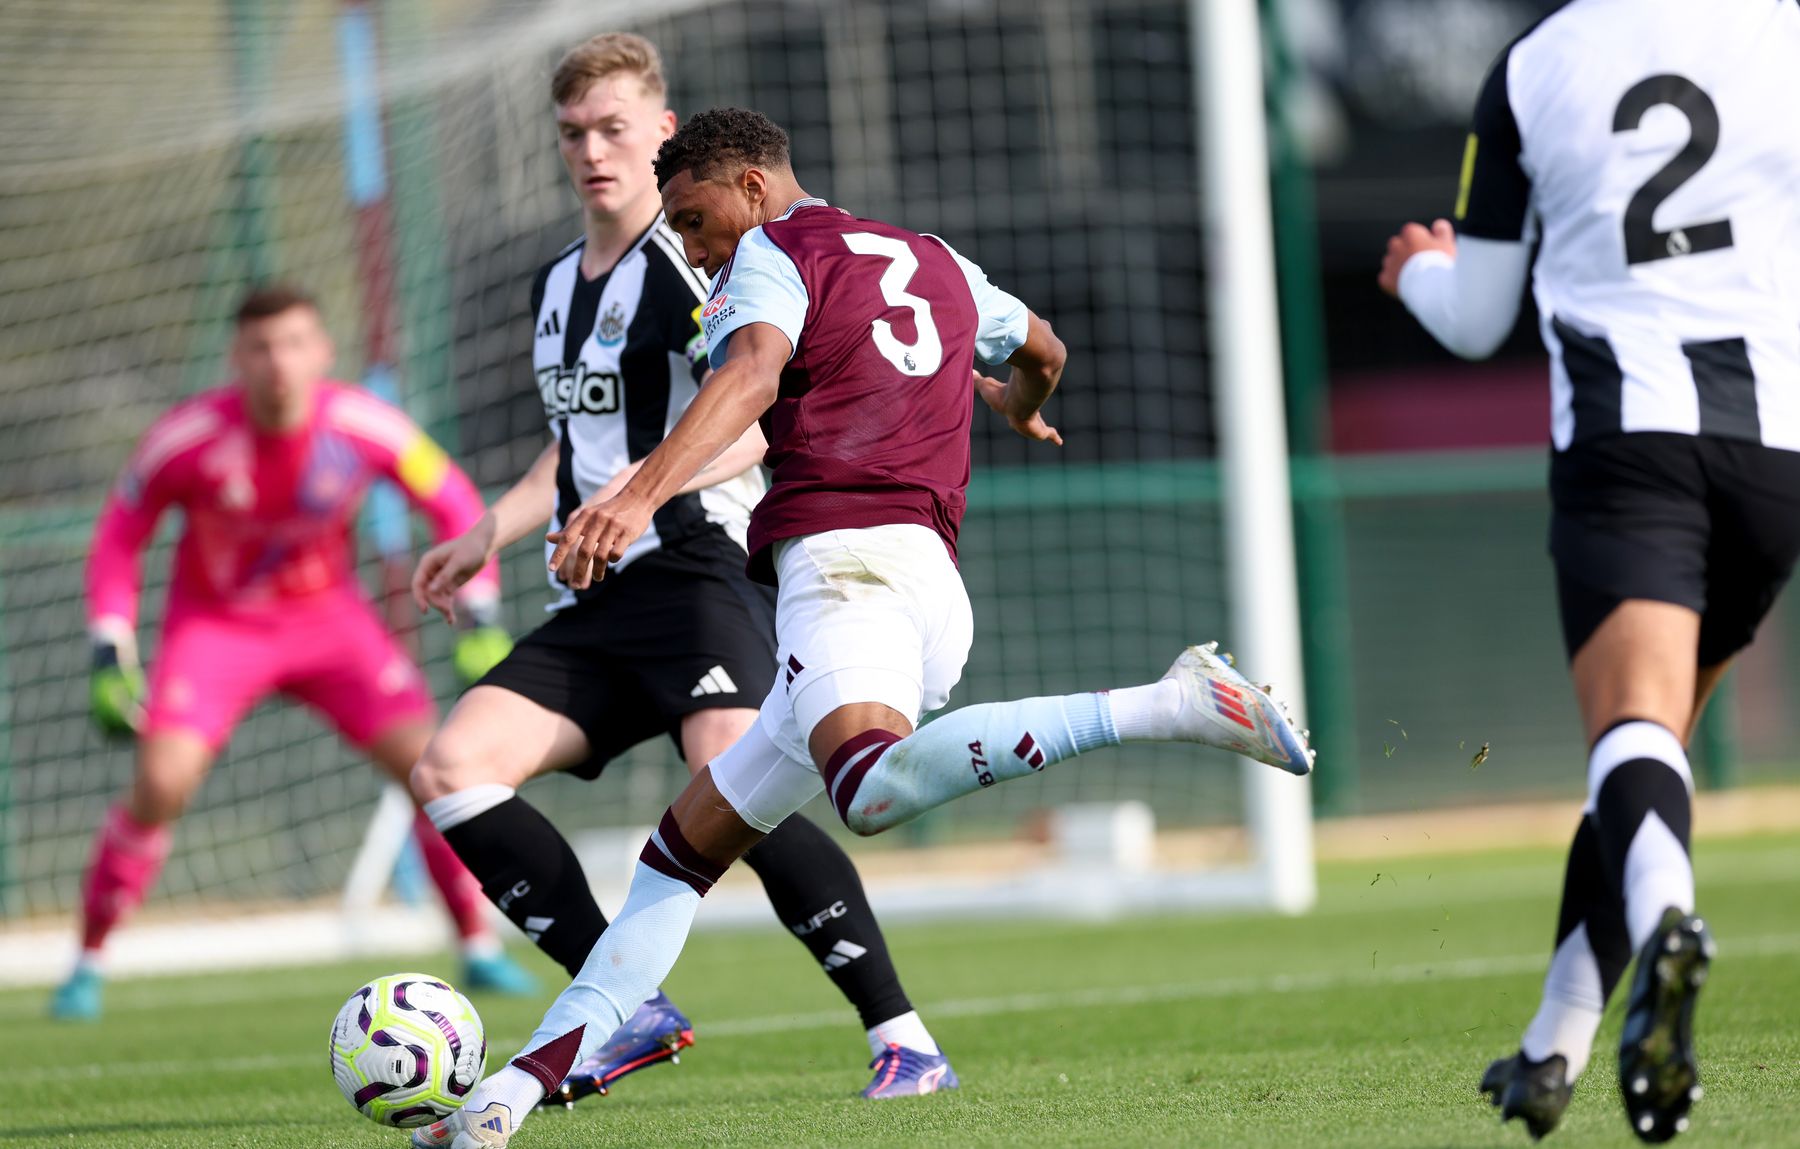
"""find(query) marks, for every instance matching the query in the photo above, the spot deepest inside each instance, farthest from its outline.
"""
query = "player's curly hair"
(718, 138)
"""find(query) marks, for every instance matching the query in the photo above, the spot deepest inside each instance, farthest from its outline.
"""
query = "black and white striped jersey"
(618, 359)
(1650, 147)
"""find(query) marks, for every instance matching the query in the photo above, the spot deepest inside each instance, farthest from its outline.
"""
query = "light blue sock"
(969, 750)
(633, 957)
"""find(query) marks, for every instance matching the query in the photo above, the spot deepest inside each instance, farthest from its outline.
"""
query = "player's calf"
(878, 780)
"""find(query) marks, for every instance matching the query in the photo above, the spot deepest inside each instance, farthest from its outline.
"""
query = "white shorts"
(876, 614)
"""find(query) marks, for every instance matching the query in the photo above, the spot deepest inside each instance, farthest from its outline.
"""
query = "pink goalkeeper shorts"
(210, 668)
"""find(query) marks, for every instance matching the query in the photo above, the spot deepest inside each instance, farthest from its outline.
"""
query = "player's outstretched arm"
(733, 399)
(444, 569)
(1037, 367)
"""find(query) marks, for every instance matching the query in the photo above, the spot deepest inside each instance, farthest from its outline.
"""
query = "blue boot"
(497, 973)
(656, 1033)
(78, 999)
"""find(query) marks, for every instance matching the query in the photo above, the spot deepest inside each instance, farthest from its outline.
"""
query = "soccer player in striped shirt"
(1645, 145)
(268, 472)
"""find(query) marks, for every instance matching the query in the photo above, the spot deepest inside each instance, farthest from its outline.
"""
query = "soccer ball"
(406, 1049)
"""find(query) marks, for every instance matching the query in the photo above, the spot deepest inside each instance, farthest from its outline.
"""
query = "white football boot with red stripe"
(1220, 707)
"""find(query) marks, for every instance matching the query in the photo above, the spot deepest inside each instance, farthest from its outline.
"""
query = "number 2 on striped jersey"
(925, 355)
(1643, 243)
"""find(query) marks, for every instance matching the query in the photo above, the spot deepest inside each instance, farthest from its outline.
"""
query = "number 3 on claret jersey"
(919, 358)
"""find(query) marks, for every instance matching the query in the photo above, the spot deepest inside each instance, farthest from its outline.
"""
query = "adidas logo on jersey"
(842, 954)
(552, 326)
(714, 681)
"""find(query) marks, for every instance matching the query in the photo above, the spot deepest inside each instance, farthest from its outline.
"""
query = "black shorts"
(678, 631)
(1707, 523)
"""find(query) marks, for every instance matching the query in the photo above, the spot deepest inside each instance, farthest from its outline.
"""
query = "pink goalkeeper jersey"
(268, 516)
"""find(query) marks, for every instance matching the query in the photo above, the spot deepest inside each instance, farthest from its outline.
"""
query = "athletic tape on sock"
(454, 809)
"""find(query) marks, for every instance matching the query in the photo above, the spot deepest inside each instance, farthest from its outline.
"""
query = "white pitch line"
(1468, 969)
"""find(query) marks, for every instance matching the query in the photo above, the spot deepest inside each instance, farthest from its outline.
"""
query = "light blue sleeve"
(1004, 320)
(760, 285)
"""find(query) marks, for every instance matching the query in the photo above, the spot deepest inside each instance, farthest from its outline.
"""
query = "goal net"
(160, 158)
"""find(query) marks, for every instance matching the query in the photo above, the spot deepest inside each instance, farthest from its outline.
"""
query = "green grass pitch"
(1366, 1023)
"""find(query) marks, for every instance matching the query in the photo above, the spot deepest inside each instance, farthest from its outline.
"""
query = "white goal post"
(1107, 160)
(1248, 394)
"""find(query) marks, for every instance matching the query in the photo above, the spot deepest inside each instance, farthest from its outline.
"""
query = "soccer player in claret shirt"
(1647, 191)
(853, 341)
(268, 473)
(677, 641)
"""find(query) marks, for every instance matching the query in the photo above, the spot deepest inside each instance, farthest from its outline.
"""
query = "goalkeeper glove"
(115, 684)
(482, 645)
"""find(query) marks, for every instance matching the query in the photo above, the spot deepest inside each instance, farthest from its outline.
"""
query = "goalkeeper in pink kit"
(269, 472)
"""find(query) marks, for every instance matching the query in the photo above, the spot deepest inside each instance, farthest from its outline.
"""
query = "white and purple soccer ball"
(407, 1049)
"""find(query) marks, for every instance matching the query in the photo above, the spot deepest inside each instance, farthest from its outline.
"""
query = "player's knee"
(169, 770)
(444, 769)
(155, 800)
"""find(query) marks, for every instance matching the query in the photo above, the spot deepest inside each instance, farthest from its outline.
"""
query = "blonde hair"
(605, 55)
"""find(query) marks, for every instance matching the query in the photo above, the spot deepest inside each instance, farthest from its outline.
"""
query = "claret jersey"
(871, 425)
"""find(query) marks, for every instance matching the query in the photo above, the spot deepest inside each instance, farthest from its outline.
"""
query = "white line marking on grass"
(1467, 969)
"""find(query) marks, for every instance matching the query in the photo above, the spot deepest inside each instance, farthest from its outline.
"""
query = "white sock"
(512, 1087)
(455, 809)
(1569, 1015)
(1146, 713)
(907, 1031)
(969, 750)
(91, 961)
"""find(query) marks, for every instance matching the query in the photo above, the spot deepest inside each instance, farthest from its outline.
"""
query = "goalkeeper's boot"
(497, 973)
(1220, 707)
(1536, 1092)
(902, 1072)
(657, 1032)
(490, 1127)
(1658, 1075)
(79, 998)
